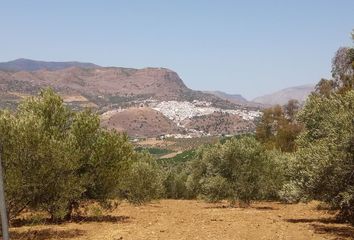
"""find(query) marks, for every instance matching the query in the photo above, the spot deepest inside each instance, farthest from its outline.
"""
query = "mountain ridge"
(282, 96)
(23, 64)
(231, 97)
(104, 86)
(125, 97)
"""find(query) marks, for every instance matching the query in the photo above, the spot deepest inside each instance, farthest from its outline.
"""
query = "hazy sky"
(247, 47)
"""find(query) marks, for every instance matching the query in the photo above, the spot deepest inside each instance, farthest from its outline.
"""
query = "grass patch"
(157, 152)
(192, 143)
(178, 159)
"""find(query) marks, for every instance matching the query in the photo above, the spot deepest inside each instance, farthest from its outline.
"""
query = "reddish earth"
(141, 121)
(155, 81)
(220, 123)
(182, 219)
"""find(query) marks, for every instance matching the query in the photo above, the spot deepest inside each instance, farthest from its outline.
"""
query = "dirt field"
(178, 144)
(181, 219)
(170, 155)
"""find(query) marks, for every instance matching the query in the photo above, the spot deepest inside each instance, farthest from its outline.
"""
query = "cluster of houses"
(179, 111)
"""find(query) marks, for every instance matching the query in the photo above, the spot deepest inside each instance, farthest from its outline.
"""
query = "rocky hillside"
(142, 102)
(141, 122)
(220, 123)
(102, 86)
(237, 98)
(281, 97)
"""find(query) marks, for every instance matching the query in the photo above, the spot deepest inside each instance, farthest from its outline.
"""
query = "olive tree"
(325, 158)
(238, 170)
(54, 157)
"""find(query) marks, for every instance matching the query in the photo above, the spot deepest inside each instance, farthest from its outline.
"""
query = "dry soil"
(182, 219)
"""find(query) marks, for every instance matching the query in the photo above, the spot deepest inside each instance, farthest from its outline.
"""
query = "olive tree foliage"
(175, 183)
(238, 170)
(324, 161)
(143, 181)
(324, 168)
(54, 157)
(39, 157)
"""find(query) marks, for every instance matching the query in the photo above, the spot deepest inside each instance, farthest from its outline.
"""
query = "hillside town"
(179, 111)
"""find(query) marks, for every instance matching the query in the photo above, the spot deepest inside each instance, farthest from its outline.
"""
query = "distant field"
(167, 156)
(172, 151)
(190, 219)
(183, 144)
(178, 144)
(178, 158)
(157, 152)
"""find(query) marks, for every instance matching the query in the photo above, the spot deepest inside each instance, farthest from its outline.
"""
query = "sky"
(244, 47)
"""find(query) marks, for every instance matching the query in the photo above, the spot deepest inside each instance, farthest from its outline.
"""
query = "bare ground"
(171, 155)
(182, 219)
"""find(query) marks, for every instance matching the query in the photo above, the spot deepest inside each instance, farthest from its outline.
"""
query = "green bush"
(54, 158)
(238, 170)
(175, 184)
(215, 188)
(143, 182)
(290, 193)
(324, 167)
(40, 160)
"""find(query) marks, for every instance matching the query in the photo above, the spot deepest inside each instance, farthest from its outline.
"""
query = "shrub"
(143, 182)
(325, 157)
(40, 160)
(53, 157)
(215, 188)
(290, 193)
(238, 170)
(175, 184)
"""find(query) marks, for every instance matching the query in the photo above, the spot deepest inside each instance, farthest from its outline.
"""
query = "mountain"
(237, 98)
(23, 64)
(141, 102)
(281, 97)
(106, 86)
